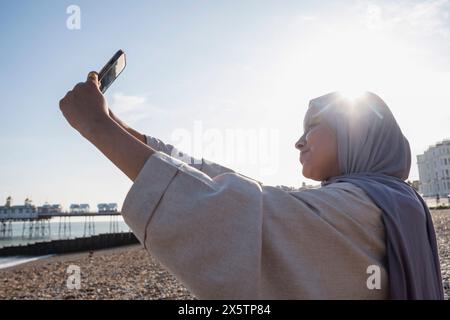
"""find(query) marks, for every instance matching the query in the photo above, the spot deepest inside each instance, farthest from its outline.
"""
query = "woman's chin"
(307, 174)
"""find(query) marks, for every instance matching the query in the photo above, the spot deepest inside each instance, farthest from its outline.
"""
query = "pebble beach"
(131, 273)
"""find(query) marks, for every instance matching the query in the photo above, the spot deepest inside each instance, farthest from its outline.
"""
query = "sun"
(352, 94)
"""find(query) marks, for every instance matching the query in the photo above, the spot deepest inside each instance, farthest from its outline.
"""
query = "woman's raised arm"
(129, 129)
(208, 167)
(86, 110)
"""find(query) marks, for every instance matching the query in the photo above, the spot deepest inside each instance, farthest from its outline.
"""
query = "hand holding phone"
(112, 70)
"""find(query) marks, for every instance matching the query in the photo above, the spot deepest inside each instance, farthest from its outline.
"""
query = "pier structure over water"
(36, 220)
(38, 225)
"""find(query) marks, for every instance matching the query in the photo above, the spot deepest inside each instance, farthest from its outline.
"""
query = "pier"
(35, 225)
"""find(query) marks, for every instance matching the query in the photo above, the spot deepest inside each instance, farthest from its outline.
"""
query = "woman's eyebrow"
(313, 121)
(310, 120)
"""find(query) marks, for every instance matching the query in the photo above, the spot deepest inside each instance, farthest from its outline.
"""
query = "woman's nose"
(300, 143)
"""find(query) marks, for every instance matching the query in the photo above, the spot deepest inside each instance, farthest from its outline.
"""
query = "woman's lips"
(302, 155)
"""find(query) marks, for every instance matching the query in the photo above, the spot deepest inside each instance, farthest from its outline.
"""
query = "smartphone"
(112, 70)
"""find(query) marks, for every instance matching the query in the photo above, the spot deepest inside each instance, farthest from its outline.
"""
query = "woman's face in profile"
(318, 149)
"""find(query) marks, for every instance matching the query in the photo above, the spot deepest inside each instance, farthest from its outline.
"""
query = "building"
(79, 208)
(293, 189)
(107, 207)
(434, 170)
(414, 184)
(286, 188)
(28, 210)
(74, 208)
(84, 208)
(50, 208)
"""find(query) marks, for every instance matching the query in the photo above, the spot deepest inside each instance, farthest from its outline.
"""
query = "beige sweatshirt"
(225, 236)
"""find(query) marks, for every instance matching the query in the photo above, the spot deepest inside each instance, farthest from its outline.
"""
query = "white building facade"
(434, 170)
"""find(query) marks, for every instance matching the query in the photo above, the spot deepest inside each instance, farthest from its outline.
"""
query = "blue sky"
(211, 67)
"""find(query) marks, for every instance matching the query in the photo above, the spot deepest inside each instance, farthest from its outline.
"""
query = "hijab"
(375, 156)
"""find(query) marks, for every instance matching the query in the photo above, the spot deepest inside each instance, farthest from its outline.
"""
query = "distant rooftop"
(445, 142)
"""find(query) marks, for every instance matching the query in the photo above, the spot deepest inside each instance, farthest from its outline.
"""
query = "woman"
(364, 234)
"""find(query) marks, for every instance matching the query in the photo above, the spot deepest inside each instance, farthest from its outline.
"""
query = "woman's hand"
(85, 107)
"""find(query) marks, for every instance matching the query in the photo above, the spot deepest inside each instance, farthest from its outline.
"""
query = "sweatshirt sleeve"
(229, 237)
(207, 167)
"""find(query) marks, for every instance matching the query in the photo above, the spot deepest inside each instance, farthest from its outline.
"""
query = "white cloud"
(426, 17)
(131, 108)
(308, 18)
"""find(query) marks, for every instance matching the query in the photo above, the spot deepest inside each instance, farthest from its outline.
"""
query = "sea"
(79, 227)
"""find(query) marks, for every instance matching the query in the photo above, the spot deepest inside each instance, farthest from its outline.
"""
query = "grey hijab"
(375, 156)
